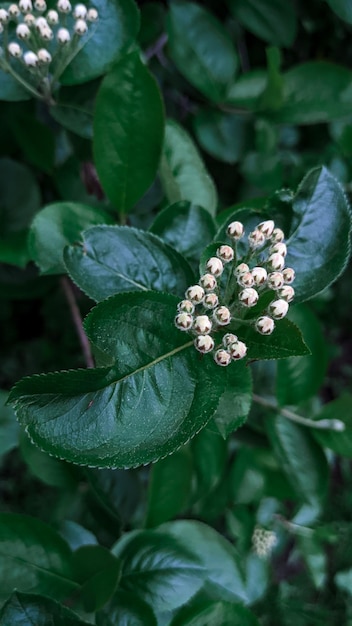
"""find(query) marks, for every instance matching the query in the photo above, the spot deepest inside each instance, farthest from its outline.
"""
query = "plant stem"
(77, 320)
(7, 68)
(326, 424)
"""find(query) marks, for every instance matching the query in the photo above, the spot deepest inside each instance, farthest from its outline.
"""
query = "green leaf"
(14, 249)
(55, 227)
(342, 8)
(9, 427)
(182, 171)
(106, 40)
(222, 135)
(98, 571)
(23, 609)
(299, 378)
(126, 609)
(19, 197)
(128, 131)
(235, 402)
(201, 48)
(319, 242)
(300, 457)
(339, 442)
(209, 458)
(11, 90)
(169, 487)
(216, 614)
(316, 559)
(246, 90)
(113, 259)
(48, 470)
(272, 96)
(343, 580)
(148, 403)
(118, 491)
(75, 117)
(272, 20)
(285, 341)
(33, 557)
(36, 140)
(186, 227)
(76, 535)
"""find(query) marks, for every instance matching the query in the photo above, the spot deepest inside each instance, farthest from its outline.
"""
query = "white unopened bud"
(279, 248)
(184, 321)
(278, 309)
(222, 315)
(266, 228)
(265, 325)
(29, 19)
(289, 275)
(204, 343)
(52, 17)
(186, 306)
(40, 5)
(44, 57)
(92, 15)
(202, 325)
(63, 35)
(259, 275)
(222, 357)
(30, 59)
(246, 280)
(286, 293)
(277, 235)
(256, 239)
(81, 27)
(211, 300)
(195, 294)
(4, 16)
(23, 32)
(208, 282)
(242, 268)
(235, 230)
(275, 280)
(64, 6)
(46, 33)
(248, 297)
(80, 12)
(214, 266)
(228, 339)
(238, 350)
(41, 22)
(15, 50)
(25, 6)
(276, 261)
(225, 253)
(13, 10)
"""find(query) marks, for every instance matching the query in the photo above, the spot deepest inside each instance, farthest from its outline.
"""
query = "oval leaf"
(24, 608)
(126, 609)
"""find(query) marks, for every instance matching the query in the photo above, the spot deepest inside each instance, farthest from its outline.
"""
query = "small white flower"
(15, 50)
(238, 350)
(195, 294)
(4, 16)
(278, 309)
(30, 59)
(80, 12)
(183, 321)
(204, 343)
(40, 5)
(225, 253)
(22, 31)
(286, 293)
(242, 268)
(265, 325)
(246, 280)
(263, 542)
(256, 239)
(235, 230)
(202, 325)
(214, 266)
(92, 15)
(222, 315)
(222, 357)
(13, 10)
(275, 280)
(289, 275)
(259, 275)
(279, 248)
(29, 19)
(52, 17)
(64, 6)
(41, 22)
(248, 297)
(63, 35)
(208, 282)
(25, 6)
(186, 306)
(228, 339)
(277, 235)
(211, 300)
(276, 262)
(81, 27)
(266, 228)
(44, 56)
(46, 33)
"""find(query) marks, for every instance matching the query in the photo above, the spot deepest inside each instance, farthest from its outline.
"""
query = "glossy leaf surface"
(126, 609)
(23, 609)
(271, 20)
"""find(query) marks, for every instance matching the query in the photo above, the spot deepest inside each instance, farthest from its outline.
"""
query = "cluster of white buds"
(263, 542)
(231, 286)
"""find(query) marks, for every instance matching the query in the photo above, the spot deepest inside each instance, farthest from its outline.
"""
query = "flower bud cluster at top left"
(231, 286)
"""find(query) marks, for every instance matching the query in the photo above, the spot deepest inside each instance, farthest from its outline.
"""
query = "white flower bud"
(30, 59)
(211, 300)
(40, 5)
(183, 321)
(278, 309)
(248, 297)
(279, 248)
(242, 268)
(256, 239)
(46, 34)
(286, 293)
(277, 235)
(204, 343)
(25, 6)
(259, 275)
(185, 306)
(276, 261)
(195, 294)
(266, 228)
(289, 275)
(275, 280)
(208, 282)
(92, 15)
(64, 6)
(202, 325)
(238, 350)
(22, 31)
(13, 10)
(52, 17)
(225, 253)
(222, 357)
(63, 35)
(214, 266)
(15, 50)
(41, 22)
(246, 280)
(29, 19)
(80, 12)
(44, 56)
(81, 27)
(228, 339)
(222, 315)
(4, 16)
(265, 325)
(235, 230)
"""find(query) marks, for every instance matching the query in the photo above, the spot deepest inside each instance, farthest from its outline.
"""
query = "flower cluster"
(230, 286)
(263, 541)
